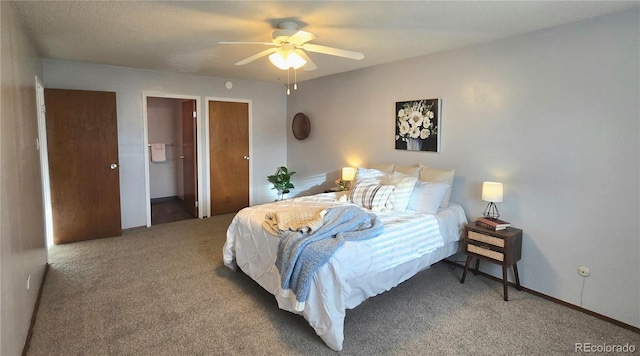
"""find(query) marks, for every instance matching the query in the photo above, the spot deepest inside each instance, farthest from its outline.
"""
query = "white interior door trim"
(199, 149)
(44, 164)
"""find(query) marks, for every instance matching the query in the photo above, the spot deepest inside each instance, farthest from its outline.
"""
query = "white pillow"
(385, 167)
(439, 176)
(368, 175)
(413, 171)
(427, 197)
(404, 186)
(371, 196)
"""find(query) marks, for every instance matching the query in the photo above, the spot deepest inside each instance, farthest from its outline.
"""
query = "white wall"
(22, 238)
(552, 114)
(161, 122)
(267, 141)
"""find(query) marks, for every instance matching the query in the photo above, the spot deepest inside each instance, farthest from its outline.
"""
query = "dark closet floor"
(165, 210)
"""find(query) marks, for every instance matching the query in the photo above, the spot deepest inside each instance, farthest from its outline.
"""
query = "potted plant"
(281, 181)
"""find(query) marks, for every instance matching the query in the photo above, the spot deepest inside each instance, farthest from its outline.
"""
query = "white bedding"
(410, 243)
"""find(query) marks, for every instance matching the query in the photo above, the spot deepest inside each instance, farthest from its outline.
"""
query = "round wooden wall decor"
(301, 126)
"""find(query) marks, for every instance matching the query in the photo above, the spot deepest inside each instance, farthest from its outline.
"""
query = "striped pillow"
(371, 196)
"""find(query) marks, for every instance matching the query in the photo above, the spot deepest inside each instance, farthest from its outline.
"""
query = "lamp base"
(491, 211)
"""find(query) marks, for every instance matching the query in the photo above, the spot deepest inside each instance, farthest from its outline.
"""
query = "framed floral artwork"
(418, 125)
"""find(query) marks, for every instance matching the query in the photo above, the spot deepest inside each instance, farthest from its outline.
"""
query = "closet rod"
(166, 144)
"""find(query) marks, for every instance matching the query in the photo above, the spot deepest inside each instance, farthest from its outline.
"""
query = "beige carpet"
(165, 291)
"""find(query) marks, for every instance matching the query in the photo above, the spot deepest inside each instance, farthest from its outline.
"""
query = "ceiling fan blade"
(309, 66)
(251, 43)
(332, 51)
(301, 37)
(256, 56)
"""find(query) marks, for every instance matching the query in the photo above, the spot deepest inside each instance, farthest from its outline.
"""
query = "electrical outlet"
(29, 282)
(584, 271)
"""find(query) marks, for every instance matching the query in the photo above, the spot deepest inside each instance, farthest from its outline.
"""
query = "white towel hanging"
(158, 152)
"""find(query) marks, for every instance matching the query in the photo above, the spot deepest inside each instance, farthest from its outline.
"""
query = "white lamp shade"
(285, 59)
(492, 192)
(348, 173)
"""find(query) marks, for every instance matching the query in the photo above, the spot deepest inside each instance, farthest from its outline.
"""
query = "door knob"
(246, 157)
(181, 157)
(113, 166)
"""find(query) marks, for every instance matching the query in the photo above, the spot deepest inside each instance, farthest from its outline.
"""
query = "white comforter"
(358, 270)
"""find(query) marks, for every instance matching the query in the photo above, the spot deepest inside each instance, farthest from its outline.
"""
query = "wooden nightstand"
(502, 247)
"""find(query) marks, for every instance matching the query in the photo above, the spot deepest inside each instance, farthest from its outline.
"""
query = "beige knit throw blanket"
(294, 219)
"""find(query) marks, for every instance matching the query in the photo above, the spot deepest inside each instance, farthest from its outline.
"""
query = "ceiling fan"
(289, 46)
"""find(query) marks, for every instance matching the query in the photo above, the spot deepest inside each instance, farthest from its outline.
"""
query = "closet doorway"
(172, 159)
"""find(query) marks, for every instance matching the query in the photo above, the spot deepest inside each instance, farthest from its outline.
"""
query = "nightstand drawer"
(495, 241)
(499, 256)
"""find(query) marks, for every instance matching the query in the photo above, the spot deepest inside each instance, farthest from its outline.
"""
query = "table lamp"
(348, 174)
(491, 192)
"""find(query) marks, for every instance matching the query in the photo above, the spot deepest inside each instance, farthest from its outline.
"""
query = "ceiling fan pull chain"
(295, 79)
(288, 81)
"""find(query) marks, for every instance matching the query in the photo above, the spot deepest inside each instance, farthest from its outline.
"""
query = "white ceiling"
(181, 36)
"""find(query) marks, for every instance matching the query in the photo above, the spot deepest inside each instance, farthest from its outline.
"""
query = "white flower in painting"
(424, 134)
(403, 118)
(415, 132)
(426, 122)
(415, 118)
(401, 114)
(404, 128)
(429, 114)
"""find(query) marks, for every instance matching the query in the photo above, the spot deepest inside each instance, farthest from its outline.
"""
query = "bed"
(411, 241)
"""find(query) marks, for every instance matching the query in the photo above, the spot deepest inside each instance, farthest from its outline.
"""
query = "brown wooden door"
(229, 156)
(189, 157)
(82, 141)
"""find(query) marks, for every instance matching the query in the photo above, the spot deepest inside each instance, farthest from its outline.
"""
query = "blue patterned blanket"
(300, 254)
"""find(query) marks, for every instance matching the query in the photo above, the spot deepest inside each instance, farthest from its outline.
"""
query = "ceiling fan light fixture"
(285, 59)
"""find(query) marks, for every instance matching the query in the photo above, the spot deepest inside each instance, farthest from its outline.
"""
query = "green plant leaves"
(281, 180)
